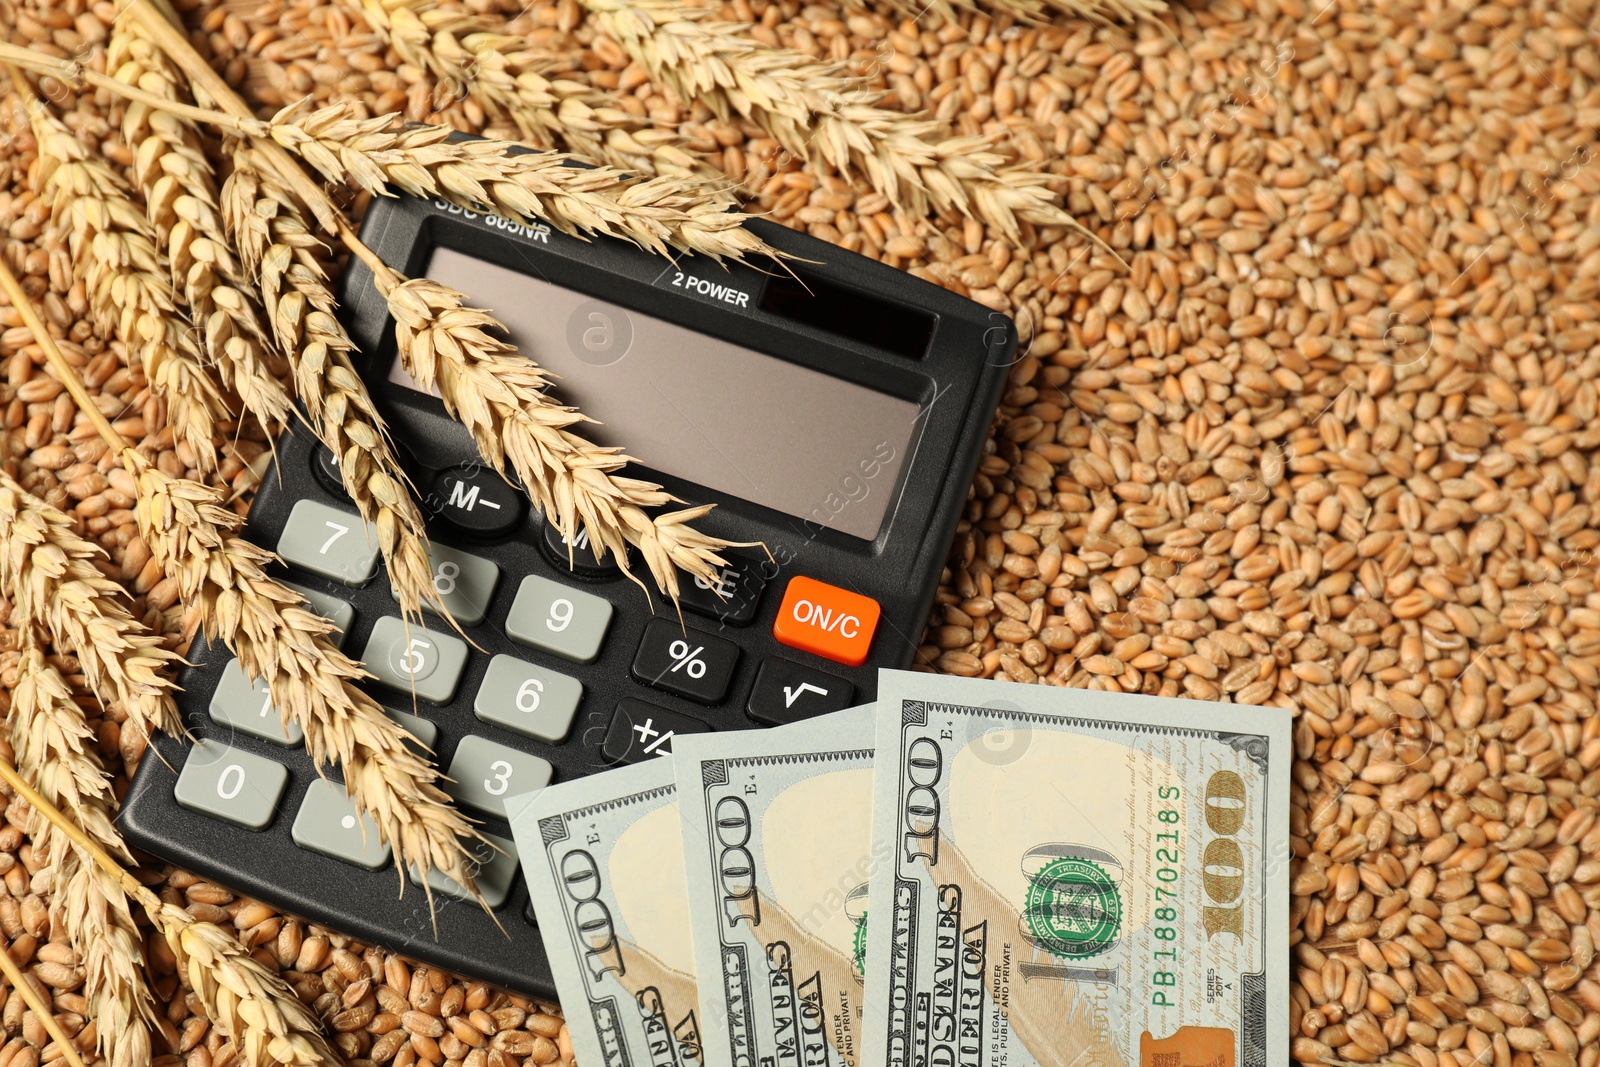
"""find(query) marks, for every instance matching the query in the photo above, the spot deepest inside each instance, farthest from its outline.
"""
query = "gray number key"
(496, 870)
(328, 823)
(424, 730)
(329, 541)
(339, 612)
(230, 783)
(249, 709)
(559, 619)
(403, 657)
(530, 700)
(484, 774)
(463, 581)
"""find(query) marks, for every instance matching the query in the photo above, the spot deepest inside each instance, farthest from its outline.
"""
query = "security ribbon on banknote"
(777, 856)
(604, 862)
(1076, 879)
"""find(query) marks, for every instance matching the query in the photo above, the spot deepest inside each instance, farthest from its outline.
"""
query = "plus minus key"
(641, 731)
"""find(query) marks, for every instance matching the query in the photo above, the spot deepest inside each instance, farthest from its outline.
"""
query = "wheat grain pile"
(1327, 442)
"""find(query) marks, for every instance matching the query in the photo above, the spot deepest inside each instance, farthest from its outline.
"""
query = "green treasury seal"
(858, 946)
(1073, 908)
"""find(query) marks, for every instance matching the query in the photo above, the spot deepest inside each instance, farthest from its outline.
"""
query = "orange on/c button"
(826, 621)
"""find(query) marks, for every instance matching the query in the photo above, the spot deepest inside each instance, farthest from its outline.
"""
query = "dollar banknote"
(777, 857)
(604, 862)
(1076, 879)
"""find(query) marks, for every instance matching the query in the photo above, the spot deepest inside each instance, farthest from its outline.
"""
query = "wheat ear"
(817, 112)
(180, 195)
(193, 536)
(464, 55)
(52, 743)
(501, 397)
(278, 249)
(249, 1004)
(483, 175)
(116, 256)
(54, 584)
(666, 541)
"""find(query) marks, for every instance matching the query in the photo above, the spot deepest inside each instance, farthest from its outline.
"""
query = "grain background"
(1329, 444)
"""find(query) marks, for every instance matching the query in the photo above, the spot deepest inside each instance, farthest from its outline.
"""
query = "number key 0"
(558, 619)
(229, 783)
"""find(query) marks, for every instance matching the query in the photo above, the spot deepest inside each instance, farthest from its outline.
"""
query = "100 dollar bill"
(1076, 878)
(777, 857)
(604, 862)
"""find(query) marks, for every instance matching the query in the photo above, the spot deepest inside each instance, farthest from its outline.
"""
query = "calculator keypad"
(231, 784)
(409, 658)
(529, 700)
(641, 731)
(247, 707)
(689, 663)
(484, 774)
(558, 619)
(463, 581)
(519, 670)
(497, 869)
(329, 541)
(328, 823)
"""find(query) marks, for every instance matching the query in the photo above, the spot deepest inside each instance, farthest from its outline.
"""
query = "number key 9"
(559, 619)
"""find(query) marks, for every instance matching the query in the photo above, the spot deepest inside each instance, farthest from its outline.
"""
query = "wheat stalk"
(1102, 11)
(24, 985)
(464, 55)
(50, 574)
(277, 247)
(482, 175)
(53, 750)
(116, 256)
(501, 398)
(613, 503)
(248, 1003)
(180, 195)
(817, 112)
(193, 536)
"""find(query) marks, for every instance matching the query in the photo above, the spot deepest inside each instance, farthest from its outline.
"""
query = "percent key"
(690, 663)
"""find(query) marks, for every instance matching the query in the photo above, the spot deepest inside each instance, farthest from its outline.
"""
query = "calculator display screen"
(700, 408)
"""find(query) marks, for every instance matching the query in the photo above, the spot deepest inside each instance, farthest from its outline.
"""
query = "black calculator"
(832, 408)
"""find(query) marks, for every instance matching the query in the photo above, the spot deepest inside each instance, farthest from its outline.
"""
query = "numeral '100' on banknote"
(777, 852)
(1078, 879)
(604, 861)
